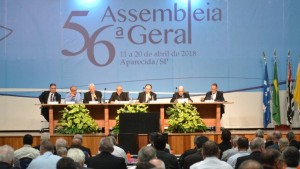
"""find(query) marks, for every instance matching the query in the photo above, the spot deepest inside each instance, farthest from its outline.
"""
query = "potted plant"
(129, 108)
(76, 119)
(184, 118)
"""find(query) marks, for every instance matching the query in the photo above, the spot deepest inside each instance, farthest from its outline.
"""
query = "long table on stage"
(105, 113)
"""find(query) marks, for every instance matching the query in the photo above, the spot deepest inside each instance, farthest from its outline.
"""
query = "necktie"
(51, 98)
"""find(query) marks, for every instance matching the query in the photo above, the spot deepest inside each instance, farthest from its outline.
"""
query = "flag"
(275, 97)
(266, 99)
(297, 87)
(289, 95)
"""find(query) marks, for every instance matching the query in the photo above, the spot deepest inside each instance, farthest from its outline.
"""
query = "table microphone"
(175, 93)
(104, 94)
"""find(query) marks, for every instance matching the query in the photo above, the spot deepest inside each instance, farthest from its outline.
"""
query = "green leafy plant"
(76, 119)
(184, 118)
(129, 108)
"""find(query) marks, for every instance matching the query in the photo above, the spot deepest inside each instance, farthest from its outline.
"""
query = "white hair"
(60, 142)
(45, 137)
(6, 154)
(91, 85)
(77, 155)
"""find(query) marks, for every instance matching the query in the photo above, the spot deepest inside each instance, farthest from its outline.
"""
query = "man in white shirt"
(230, 152)
(211, 153)
(27, 151)
(243, 145)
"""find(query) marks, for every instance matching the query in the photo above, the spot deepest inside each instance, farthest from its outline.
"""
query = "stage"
(179, 142)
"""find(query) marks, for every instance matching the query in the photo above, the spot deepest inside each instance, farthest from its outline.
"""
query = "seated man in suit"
(105, 159)
(119, 95)
(180, 95)
(49, 96)
(147, 95)
(92, 95)
(73, 96)
(216, 95)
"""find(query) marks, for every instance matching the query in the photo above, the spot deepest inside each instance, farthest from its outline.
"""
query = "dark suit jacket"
(176, 96)
(169, 159)
(185, 154)
(295, 144)
(142, 97)
(219, 97)
(106, 161)
(192, 159)
(224, 146)
(4, 165)
(256, 155)
(44, 97)
(44, 100)
(88, 97)
(122, 97)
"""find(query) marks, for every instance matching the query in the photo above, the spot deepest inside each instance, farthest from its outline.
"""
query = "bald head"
(180, 90)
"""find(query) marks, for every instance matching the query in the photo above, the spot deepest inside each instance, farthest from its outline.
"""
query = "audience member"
(158, 163)
(269, 140)
(196, 157)
(105, 159)
(188, 152)
(61, 145)
(7, 157)
(66, 163)
(77, 143)
(260, 133)
(250, 164)
(291, 137)
(27, 151)
(243, 145)
(44, 137)
(291, 156)
(78, 156)
(62, 151)
(272, 159)
(47, 160)
(225, 144)
(145, 165)
(151, 140)
(230, 152)
(211, 152)
(146, 154)
(283, 143)
(169, 159)
(276, 137)
(257, 146)
(118, 151)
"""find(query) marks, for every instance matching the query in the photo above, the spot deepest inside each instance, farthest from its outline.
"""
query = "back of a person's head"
(144, 165)
(283, 142)
(226, 135)
(200, 141)
(106, 145)
(234, 140)
(60, 142)
(260, 133)
(45, 137)
(76, 143)
(113, 139)
(76, 154)
(159, 142)
(270, 157)
(250, 164)
(6, 154)
(257, 143)
(159, 164)
(290, 136)
(62, 151)
(276, 135)
(269, 137)
(210, 149)
(291, 156)
(28, 139)
(78, 136)
(243, 143)
(146, 154)
(46, 146)
(66, 163)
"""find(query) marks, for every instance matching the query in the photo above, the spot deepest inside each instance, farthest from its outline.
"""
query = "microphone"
(175, 93)
(104, 94)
